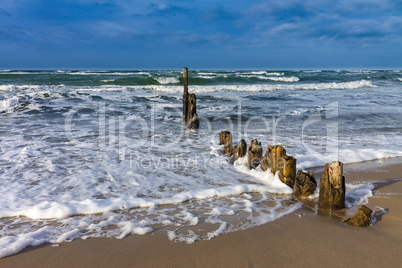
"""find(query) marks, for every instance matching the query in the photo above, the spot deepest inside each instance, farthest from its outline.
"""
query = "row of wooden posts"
(332, 183)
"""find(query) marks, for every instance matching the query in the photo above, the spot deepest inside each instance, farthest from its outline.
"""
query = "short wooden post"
(275, 158)
(192, 118)
(332, 187)
(254, 154)
(305, 184)
(185, 94)
(239, 150)
(362, 217)
(225, 138)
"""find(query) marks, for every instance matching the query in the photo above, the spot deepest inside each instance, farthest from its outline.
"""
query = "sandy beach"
(199, 134)
(304, 238)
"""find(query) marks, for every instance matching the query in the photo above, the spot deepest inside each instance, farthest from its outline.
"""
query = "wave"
(58, 210)
(262, 73)
(167, 80)
(9, 105)
(170, 85)
(20, 87)
(105, 73)
(284, 79)
(264, 87)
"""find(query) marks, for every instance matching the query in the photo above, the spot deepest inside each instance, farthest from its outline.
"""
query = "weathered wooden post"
(276, 159)
(254, 154)
(185, 94)
(332, 187)
(225, 138)
(287, 170)
(190, 117)
(305, 184)
(362, 217)
(239, 150)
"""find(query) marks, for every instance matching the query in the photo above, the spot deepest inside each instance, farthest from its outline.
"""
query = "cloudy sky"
(235, 34)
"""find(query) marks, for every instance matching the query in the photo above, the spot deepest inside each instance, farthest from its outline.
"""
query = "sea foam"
(265, 87)
(92, 160)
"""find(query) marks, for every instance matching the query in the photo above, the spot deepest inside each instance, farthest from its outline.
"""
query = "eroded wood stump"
(254, 154)
(287, 170)
(239, 150)
(271, 158)
(275, 159)
(192, 118)
(305, 184)
(332, 187)
(362, 217)
(225, 138)
(185, 94)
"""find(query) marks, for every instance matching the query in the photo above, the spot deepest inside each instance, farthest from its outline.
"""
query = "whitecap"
(167, 80)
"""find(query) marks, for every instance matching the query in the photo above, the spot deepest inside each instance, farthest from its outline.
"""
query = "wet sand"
(301, 239)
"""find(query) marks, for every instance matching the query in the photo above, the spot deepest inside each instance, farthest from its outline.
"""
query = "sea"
(106, 154)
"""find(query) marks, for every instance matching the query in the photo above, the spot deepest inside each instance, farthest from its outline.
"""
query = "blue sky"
(236, 34)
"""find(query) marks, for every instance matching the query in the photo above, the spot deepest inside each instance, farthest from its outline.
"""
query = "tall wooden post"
(185, 94)
(190, 117)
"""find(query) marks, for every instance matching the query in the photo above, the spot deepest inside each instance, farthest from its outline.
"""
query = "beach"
(98, 167)
(304, 238)
(200, 134)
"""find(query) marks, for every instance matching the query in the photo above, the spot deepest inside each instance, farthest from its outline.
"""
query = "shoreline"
(302, 238)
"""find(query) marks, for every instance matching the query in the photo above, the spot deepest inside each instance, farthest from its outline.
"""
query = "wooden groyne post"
(190, 117)
(185, 94)
(332, 187)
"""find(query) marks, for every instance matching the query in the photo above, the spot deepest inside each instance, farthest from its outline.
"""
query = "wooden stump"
(287, 170)
(185, 94)
(254, 154)
(239, 150)
(305, 184)
(192, 118)
(271, 158)
(362, 217)
(332, 187)
(275, 158)
(225, 138)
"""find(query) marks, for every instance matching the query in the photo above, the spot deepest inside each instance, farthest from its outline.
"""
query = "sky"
(203, 34)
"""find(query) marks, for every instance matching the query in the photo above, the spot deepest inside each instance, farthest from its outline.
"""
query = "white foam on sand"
(358, 194)
(273, 182)
(59, 210)
(77, 218)
(10, 245)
